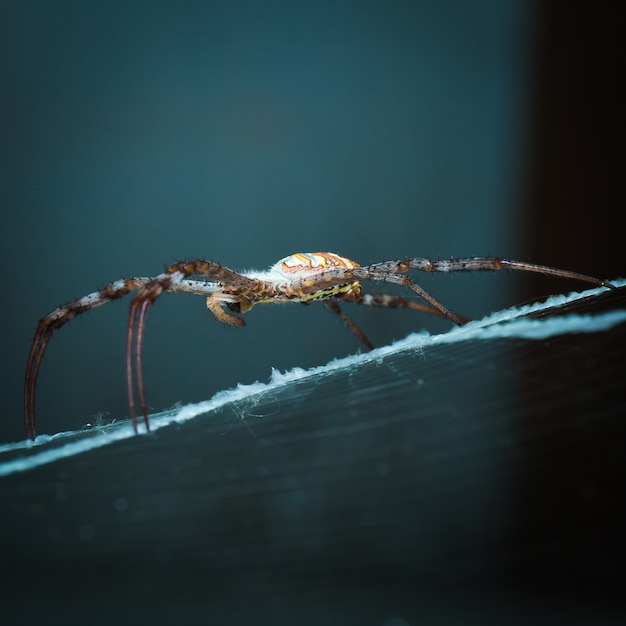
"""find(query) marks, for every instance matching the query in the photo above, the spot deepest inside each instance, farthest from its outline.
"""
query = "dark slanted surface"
(473, 482)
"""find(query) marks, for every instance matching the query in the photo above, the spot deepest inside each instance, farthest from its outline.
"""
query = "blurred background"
(134, 134)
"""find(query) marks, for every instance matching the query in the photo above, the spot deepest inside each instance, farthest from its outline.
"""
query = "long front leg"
(55, 320)
(481, 264)
(172, 279)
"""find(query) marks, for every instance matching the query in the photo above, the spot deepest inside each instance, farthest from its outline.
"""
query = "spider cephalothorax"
(303, 277)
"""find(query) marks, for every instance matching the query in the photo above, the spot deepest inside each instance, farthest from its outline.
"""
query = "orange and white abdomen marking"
(312, 262)
(315, 263)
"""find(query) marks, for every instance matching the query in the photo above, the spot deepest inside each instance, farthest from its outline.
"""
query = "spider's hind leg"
(398, 302)
(335, 308)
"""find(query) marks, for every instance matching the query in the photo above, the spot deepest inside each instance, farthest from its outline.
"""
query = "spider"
(301, 277)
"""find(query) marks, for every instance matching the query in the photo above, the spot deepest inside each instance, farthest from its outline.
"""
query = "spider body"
(302, 277)
(294, 278)
(308, 267)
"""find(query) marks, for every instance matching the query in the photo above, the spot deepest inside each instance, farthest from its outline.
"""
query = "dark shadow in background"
(574, 215)
(574, 196)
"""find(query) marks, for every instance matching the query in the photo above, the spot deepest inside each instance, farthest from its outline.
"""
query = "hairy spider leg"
(395, 272)
(55, 320)
(335, 308)
(140, 326)
(42, 336)
(171, 280)
(383, 300)
(405, 281)
(138, 309)
(481, 264)
(372, 272)
(398, 302)
(137, 312)
(63, 314)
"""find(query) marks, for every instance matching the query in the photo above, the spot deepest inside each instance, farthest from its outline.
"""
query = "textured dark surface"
(467, 483)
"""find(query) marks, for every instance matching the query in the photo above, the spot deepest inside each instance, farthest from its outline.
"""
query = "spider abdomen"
(301, 265)
(312, 262)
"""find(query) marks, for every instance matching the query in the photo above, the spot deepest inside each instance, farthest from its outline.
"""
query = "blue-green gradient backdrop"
(138, 133)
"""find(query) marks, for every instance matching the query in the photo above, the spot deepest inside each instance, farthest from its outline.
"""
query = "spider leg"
(137, 319)
(142, 398)
(394, 302)
(172, 279)
(372, 272)
(138, 309)
(472, 264)
(42, 336)
(335, 308)
(55, 320)
(398, 302)
(389, 272)
(394, 272)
